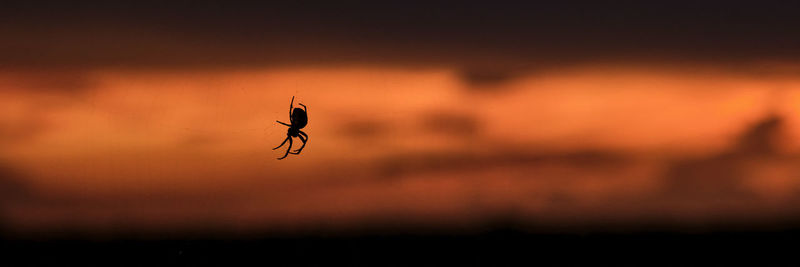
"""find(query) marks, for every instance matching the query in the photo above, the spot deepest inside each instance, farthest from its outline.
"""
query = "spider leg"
(303, 137)
(304, 107)
(284, 142)
(290, 110)
(288, 149)
(284, 123)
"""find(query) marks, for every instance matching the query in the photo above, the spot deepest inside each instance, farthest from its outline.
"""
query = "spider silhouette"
(298, 119)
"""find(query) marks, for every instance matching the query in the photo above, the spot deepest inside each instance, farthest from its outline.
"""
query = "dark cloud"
(450, 123)
(483, 79)
(427, 162)
(12, 186)
(464, 34)
(194, 140)
(13, 191)
(720, 176)
(359, 129)
(717, 177)
(45, 90)
(63, 80)
(761, 138)
(12, 132)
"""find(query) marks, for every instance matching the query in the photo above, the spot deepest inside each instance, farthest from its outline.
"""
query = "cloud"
(12, 187)
(49, 81)
(451, 123)
(358, 129)
(13, 191)
(23, 129)
(460, 161)
(484, 79)
(721, 176)
(105, 34)
(34, 94)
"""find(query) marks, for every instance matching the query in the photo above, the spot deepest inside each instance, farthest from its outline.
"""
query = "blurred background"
(158, 119)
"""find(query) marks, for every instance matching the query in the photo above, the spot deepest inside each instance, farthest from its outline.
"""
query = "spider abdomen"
(299, 118)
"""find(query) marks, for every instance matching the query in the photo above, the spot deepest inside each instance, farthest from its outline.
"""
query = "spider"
(298, 119)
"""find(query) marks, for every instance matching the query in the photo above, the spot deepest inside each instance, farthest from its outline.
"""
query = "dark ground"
(488, 248)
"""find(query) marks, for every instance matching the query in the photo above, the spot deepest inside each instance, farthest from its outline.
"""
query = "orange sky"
(105, 149)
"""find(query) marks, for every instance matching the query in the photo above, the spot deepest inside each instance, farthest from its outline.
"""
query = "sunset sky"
(156, 117)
